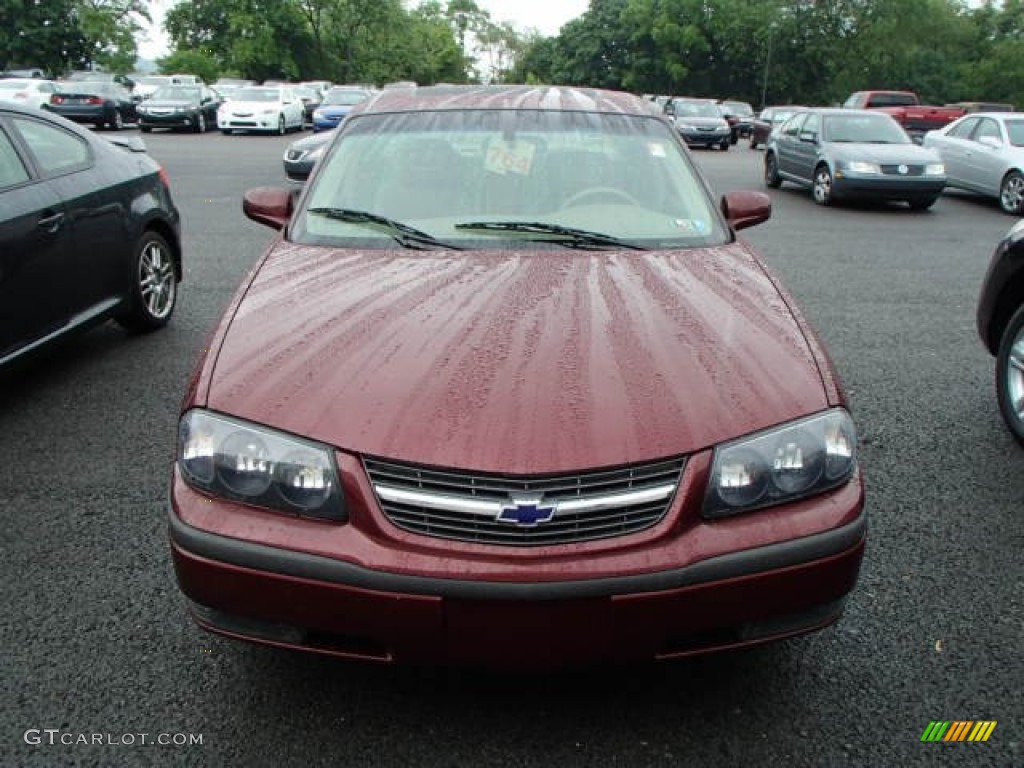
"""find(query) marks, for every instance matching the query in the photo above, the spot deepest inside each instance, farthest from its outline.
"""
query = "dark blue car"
(337, 103)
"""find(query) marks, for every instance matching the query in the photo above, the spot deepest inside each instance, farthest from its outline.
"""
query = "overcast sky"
(545, 15)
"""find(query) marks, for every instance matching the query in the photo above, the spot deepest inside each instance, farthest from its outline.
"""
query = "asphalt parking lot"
(96, 640)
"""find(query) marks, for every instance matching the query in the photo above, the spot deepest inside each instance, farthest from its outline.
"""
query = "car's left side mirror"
(745, 208)
(271, 206)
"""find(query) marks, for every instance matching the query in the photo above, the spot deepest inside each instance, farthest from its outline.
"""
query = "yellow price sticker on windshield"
(503, 157)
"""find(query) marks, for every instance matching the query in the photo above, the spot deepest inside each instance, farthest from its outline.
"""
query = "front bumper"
(704, 138)
(470, 613)
(247, 122)
(886, 187)
(171, 120)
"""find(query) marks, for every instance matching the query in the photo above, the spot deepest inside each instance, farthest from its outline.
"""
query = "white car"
(28, 92)
(984, 153)
(273, 108)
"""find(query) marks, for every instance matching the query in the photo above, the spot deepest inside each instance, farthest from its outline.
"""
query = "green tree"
(40, 35)
(191, 62)
(110, 28)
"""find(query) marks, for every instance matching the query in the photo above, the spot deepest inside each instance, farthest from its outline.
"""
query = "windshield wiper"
(403, 234)
(566, 236)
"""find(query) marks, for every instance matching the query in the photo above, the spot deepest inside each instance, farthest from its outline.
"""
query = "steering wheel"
(607, 192)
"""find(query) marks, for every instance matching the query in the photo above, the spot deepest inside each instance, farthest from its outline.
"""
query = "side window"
(963, 130)
(988, 129)
(792, 127)
(12, 170)
(55, 150)
(811, 127)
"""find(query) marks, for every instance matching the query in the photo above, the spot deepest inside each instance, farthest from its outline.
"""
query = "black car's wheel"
(921, 203)
(1010, 375)
(154, 289)
(753, 143)
(200, 123)
(724, 146)
(1011, 193)
(771, 171)
(281, 128)
(118, 122)
(822, 187)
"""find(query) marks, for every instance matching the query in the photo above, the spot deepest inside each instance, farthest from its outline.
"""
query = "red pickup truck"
(907, 110)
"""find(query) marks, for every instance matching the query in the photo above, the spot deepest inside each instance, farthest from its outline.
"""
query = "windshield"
(864, 129)
(697, 109)
(256, 94)
(345, 98)
(176, 93)
(508, 179)
(738, 108)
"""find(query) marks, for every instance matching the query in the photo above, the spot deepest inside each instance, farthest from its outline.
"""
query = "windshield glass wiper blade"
(404, 235)
(567, 236)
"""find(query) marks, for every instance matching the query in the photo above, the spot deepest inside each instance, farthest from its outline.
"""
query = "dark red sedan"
(507, 389)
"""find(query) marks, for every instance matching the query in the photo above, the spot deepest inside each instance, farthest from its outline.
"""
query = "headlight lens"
(256, 465)
(935, 169)
(318, 114)
(785, 463)
(858, 166)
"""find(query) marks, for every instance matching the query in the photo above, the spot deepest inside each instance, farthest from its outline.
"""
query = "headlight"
(857, 166)
(799, 459)
(935, 169)
(255, 465)
(318, 114)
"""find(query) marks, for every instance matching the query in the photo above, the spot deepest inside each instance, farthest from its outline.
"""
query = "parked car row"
(849, 153)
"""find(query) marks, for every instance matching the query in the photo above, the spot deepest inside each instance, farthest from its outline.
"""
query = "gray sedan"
(847, 153)
(984, 153)
(302, 155)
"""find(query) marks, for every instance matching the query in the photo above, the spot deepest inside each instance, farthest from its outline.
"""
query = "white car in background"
(273, 108)
(984, 153)
(28, 92)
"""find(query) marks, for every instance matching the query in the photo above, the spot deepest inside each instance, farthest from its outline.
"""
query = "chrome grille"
(464, 506)
(893, 169)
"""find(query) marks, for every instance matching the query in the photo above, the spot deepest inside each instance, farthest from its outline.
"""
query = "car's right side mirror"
(745, 208)
(271, 206)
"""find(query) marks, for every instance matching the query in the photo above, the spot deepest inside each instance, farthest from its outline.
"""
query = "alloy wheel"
(1011, 193)
(156, 279)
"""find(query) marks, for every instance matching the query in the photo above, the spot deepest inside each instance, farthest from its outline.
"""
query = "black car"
(311, 99)
(101, 104)
(740, 116)
(192, 107)
(1001, 325)
(301, 156)
(88, 232)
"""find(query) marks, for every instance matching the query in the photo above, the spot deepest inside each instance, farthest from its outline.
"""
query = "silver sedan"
(984, 153)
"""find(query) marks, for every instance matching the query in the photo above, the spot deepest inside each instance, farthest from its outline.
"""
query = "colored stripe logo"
(958, 730)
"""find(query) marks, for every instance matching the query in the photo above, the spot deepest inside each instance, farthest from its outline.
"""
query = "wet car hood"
(515, 362)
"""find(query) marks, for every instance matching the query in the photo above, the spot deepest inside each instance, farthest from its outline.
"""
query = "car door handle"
(51, 221)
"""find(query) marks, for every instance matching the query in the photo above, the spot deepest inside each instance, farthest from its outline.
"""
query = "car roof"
(508, 97)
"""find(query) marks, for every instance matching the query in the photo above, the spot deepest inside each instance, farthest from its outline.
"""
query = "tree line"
(774, 51)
